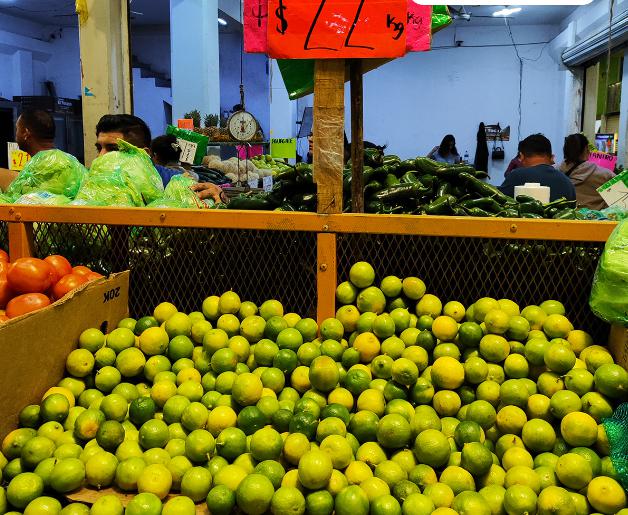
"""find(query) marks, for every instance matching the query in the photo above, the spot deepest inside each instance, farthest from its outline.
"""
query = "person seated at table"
(586, 176)
(446, 152)
(134, 130)
(536, 167)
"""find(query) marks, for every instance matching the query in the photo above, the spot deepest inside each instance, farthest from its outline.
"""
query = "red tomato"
(61, 266)
(81, 270)
(23, 304)
(30, 275)
(4, 256)
(6, 294)
(92, 276)
(4, 267)
(66, 284)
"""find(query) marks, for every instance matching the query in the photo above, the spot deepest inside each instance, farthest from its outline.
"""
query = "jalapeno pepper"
(391, 180)
(400, 192)
(441, 206)
(409, 178)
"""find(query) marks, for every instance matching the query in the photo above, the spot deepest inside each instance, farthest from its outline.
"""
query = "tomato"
(92, 276)
(4, 256)
(6, 294)
(4, 267)
(23, 304)
(30, 275)
(61, 266)
(66, 284)
(81, 270)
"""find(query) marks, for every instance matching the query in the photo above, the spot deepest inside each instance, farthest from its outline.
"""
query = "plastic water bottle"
(466, 157)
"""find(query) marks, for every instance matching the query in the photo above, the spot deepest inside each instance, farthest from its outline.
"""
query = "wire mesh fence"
(467, 269)
(4, 236)
(184, 266)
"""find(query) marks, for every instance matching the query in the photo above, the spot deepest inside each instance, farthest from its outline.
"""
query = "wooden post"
(21, 240)
(357, 137)
(326, 277)
(329, 121)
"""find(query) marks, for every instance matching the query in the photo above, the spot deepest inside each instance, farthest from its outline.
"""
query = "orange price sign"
(337, 29)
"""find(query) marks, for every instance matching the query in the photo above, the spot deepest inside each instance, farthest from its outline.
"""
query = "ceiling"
(529, 15)
(157, 12)
(61, 12)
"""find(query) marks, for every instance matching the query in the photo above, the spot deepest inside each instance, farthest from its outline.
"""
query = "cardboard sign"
(188, 151)
(419, 37)
(256, 26)
(283, 148)
(337, 29)
(17, 157)
(608, 161)
(615, 191)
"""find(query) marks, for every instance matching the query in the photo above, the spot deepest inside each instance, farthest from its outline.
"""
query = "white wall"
(151, 44)
(148, 103)
(411, 103)
(54, 54)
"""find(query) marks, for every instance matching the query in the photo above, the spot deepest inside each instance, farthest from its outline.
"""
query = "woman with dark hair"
(586, 177)
(446, 152)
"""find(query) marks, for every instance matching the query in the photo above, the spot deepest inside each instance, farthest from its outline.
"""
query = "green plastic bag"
(197, 144)
(43, 198)
(136, 165)
(114, 188)
(178, 195)
(52, 171)
(609, 296)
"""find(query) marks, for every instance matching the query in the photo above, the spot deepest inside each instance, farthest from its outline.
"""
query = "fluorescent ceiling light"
(519, 2)
(222, 21)
(507, 11)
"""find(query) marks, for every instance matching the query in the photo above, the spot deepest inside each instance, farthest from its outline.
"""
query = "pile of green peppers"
(418, 186)
(422, 186)
(293, 190)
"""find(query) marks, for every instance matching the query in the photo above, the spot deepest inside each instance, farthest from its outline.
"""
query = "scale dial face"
(242, 126)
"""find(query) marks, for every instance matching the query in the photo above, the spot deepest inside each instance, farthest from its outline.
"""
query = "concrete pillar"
(106, 66)
(195, 58)
(622, 150)
(23, 73)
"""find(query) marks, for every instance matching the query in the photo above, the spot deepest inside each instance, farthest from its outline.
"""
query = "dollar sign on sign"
(283, 23)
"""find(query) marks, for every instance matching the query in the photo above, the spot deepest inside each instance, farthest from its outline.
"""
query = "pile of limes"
(400, 404)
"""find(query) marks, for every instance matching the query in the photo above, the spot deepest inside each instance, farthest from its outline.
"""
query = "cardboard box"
(34, 347)
(618, 345)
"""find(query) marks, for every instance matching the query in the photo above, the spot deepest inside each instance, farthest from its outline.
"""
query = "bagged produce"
(179, 195)
(53, 171)
(114, 188)
(43, 198)
(135, 164)
(609, 296)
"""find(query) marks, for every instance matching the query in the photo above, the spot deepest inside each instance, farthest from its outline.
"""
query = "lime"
(352, 501)
(107, 505)
(155, 479)
(476, 458)
(196, 483)
(144, 504)
(153, 434)
(100, 469)
(573, 471)
(221, 500)
(110, 435)
(346, 293)
(199, 445)
(67, 475)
